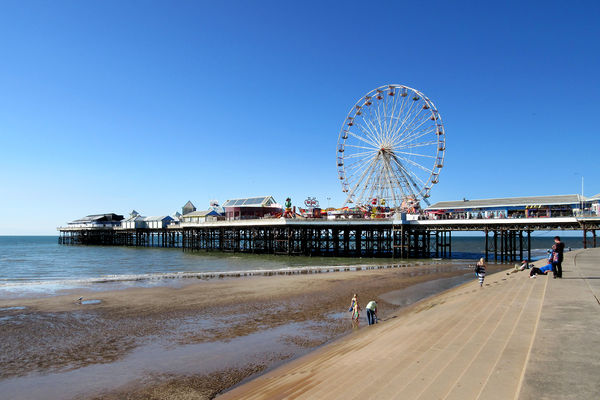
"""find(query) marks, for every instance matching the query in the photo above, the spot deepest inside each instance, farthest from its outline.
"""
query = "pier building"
(251, 208)
(512, 207)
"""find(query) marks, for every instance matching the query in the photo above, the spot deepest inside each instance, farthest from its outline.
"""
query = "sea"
(37, 266)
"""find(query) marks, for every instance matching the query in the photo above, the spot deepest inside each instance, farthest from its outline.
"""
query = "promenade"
(514, 338)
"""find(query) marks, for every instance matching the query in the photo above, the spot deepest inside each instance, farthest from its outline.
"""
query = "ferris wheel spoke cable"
(361, 147)
(370, 126)
(366, 171)
(366, 130)
(418, 134)
(414, 154)
(411, 126)
(414, 129)
(410, 174)
(425, 169)
(359, 168)
(422, 144)
(362, 139)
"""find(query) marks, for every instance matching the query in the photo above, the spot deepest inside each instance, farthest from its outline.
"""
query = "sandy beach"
(194, 341)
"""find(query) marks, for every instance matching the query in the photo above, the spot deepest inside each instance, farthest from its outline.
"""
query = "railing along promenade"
(506, 239)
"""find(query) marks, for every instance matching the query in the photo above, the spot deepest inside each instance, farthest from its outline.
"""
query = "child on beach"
(480, 271)
(355, 307)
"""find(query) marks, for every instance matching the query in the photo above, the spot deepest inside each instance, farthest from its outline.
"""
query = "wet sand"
(195, 341)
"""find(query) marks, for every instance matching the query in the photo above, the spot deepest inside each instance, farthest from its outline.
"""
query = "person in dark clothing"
(557, 257)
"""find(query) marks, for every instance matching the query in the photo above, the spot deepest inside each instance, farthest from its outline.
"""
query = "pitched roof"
(202, 213)
(508, 202)
(160, 218)
(98, 217)
(264, 201)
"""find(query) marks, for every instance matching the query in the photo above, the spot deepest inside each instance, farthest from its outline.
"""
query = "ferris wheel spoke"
(421, 144)
(368, 133)
(398, 119)
(416, 164)
(369, 124)
(362, 177)
(415, 130)
(412, 176)
(412, 186)
(361, 154)
(391, 181)
(425, 131)
(404, 124)
(361, 138)
(360, 147)
(357, 168)
(410, 125)
(414, 154)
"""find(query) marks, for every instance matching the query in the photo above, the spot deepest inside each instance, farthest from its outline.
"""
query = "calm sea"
(38, 265)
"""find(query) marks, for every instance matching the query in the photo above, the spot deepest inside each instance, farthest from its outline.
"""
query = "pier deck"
(505, 239)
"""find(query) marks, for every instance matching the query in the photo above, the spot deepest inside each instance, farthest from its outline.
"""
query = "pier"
(507, 239)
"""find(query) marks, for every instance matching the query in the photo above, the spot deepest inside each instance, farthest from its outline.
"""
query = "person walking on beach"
(480, 271)
(355, 308)
(557, 257)
(371, 312)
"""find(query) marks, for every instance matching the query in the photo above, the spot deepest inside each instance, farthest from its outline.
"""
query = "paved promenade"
(514, 338)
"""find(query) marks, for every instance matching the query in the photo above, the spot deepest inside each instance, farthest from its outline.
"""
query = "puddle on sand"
(15, 308)
(155, 359)
(91, 302)
(420, 291)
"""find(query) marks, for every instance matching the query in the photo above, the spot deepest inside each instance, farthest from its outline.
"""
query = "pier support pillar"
(486, 245)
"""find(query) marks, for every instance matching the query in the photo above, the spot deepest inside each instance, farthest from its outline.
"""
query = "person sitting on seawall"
(524, 265)
(540, 271)
(371, 312)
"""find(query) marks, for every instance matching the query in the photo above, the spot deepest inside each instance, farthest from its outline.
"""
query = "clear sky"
(108, 106)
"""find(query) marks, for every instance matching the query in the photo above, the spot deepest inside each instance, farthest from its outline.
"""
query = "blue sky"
(112, 106)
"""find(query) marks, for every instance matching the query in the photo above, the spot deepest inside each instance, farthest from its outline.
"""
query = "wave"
(150, 277)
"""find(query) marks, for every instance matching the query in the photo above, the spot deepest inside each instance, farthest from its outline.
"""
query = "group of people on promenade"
(555, 260)
(371, 309)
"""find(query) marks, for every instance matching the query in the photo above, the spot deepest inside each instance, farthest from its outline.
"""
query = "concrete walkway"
(565, 358)
(495, 342)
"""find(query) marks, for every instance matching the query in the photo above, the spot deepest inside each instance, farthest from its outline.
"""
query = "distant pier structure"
(506, 225)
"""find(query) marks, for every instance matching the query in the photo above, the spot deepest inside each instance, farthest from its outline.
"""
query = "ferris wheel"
(391, 148)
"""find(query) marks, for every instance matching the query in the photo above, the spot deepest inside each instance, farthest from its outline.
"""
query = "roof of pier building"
(265, 201)
(188, 208)
(159, 218)
(569, 199)
(203, 213)
(111, 217)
